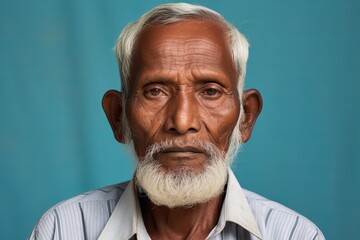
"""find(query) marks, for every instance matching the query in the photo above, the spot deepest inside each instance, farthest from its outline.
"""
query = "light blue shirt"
(113, 213)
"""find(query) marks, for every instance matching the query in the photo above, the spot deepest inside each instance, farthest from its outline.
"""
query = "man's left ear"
(252, 104)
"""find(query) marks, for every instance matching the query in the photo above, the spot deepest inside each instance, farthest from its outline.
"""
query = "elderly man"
(184, 112)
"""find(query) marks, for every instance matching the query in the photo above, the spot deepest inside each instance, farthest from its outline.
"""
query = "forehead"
(183, 45)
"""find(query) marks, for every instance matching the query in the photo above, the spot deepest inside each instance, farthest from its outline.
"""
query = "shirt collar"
(236, 208)
(126, 219)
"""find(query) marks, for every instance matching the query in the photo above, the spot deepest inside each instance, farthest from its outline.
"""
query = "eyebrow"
(199, 76)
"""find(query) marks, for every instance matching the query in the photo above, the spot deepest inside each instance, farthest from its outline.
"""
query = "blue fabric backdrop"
(56, 62)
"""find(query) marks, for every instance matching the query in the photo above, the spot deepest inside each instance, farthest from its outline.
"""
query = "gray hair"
(172, 13)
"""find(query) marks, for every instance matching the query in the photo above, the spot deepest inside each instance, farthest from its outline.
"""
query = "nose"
(182, 115)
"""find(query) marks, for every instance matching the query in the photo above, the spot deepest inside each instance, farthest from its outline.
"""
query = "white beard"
(184, 187)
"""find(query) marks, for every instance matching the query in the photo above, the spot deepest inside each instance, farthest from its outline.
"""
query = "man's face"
(183, 87)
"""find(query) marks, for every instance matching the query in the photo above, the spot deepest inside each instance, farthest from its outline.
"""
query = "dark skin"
(183, 86)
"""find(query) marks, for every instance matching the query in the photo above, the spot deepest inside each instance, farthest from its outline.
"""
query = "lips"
(187, 149)
(181, 153)
(172, 155)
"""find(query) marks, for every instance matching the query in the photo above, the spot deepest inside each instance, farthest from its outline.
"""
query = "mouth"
(179, 154)
(182, 150)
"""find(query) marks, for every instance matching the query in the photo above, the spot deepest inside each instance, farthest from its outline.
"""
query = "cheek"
(220, 121)
(144, 123)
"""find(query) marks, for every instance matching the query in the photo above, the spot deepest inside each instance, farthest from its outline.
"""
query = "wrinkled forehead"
(182, 54)
(183, 44)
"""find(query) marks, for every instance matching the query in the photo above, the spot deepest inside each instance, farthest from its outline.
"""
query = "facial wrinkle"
(185, 54)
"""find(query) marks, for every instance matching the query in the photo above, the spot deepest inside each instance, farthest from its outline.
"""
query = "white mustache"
(174, 145)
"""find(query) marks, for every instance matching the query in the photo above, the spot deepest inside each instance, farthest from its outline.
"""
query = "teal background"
(56, 62)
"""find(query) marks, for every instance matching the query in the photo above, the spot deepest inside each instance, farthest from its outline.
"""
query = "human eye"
(212, 93)
(153, 92)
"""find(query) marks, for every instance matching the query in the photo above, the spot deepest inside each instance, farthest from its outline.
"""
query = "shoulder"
(69, 217)
(279, 222)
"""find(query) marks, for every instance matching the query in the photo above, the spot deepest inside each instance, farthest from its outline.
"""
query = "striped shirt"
(113, 213)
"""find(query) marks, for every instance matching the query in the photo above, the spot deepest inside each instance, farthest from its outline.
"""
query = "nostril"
(192, 130)
(174, 130)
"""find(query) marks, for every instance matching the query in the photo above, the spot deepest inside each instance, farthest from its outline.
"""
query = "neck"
(181, 222)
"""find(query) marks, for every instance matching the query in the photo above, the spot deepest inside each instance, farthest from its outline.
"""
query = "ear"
(252, 104)
(112, 105)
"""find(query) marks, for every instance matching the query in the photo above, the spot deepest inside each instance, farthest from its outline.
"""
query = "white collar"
(126, 219)
(236, 208)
